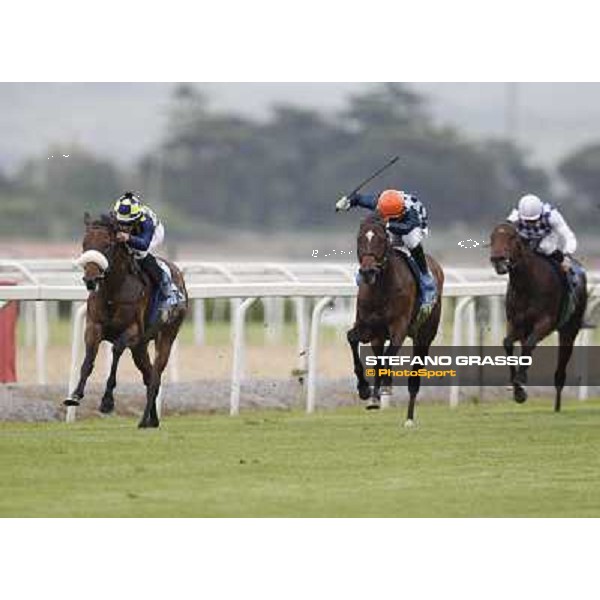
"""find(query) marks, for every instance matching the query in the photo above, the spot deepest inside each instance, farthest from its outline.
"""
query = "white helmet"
(530, 208)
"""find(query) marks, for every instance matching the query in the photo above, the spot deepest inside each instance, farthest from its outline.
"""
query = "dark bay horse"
(117, 311)
(534, 302)
(387, 308)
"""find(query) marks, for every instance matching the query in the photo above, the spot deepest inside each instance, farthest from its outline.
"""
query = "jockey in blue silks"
(407, 225)
(142, 231)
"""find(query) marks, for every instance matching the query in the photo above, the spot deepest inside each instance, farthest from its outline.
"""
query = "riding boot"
(151, 267)
(161, 282)
(427, 283)
(572, 274)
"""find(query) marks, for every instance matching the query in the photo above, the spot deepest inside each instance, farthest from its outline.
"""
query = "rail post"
(76, 352)
(238, 354)
(313, 353)
(461, 306)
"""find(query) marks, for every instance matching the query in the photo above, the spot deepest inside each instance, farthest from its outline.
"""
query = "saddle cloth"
(571, 282)
(175, 294)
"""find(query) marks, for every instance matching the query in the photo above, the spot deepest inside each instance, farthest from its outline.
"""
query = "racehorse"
(118, 309)
(388, 309)
(535, 301)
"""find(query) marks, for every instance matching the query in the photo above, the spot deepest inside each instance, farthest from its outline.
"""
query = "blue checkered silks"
(534, 231)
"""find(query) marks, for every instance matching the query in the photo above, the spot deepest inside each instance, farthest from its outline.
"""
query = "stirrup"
(423, 314)
(165, 313)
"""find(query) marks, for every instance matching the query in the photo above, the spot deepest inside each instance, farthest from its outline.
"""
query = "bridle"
(507, 262)
(379, 264)
(107, 253)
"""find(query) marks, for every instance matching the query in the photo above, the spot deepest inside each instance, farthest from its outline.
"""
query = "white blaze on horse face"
(369, 235)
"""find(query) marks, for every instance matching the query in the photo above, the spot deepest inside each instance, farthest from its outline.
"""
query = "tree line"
(215, 168)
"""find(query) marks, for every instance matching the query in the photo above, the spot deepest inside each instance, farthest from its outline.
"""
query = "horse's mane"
(105, 221)
(509, 225)
(372, 219)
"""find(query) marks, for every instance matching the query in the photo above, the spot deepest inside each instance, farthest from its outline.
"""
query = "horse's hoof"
(520, 395)
(409, 424)
(148, 424)
(364, 392)
(72, 402)
(373, 405)
(106, 408)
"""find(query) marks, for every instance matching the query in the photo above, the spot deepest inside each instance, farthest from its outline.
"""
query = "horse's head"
(506, 247)
(99, 244)
(372, 248)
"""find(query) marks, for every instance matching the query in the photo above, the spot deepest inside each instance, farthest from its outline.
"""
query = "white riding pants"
(414, 238)
(549, 244)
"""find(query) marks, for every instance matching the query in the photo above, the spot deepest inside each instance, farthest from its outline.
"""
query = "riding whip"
(377, 173)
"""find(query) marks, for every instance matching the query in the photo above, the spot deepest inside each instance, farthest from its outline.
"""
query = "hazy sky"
(124, 120)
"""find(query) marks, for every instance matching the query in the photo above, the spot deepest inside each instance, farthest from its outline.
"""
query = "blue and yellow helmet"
(128, 208)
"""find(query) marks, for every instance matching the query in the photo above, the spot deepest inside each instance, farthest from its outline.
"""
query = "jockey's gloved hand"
(558, 256)
(343, 203)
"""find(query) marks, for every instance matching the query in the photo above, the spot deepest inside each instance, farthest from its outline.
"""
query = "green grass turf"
(486, 460)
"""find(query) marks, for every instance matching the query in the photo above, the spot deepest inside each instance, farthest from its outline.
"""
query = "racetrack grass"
(486, 460)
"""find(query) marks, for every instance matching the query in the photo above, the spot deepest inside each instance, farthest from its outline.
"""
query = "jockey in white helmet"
(545, 229)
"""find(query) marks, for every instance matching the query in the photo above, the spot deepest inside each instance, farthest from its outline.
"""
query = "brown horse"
(117, 311)
(388, 308)
(534, 301)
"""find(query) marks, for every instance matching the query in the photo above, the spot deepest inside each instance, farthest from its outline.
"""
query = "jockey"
(407, 224)
(545, 230)
(142, 231)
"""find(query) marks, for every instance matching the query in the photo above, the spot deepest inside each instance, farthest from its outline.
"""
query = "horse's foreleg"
(363, 387)
(377, 345)
(565, 349)
(519, 392)
(141, 358)
(164, 342)
(107, 405)
(414, 383)
(127, 338)
(93, 337)
(509, 349)
(519, 379)
(397, 336)
(540, 330)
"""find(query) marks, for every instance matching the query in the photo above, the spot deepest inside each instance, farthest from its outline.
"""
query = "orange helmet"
(391, 204)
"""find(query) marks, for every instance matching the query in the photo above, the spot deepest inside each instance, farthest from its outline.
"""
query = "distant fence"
(327, 282)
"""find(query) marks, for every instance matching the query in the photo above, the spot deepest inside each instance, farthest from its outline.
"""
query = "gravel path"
(32, 403)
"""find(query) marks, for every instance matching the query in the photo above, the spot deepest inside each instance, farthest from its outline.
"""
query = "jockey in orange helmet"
(407, 225)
